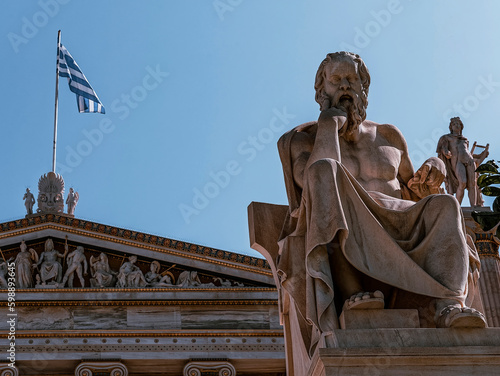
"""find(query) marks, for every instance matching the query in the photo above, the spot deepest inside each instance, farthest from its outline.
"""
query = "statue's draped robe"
(51, 269)
(23, 270)
(102, 272)
(419, 247)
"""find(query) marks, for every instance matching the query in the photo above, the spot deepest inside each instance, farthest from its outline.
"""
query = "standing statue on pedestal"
(351, 228)
(25, 263)
(29, 201)
(75, 260)
(71, 201)
(453, 149)
(49, 266)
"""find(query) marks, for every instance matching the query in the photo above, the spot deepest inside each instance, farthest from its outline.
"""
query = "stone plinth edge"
(409, 352)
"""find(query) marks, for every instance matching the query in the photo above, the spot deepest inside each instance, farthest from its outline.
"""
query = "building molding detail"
(197, 368)
(132, 303)
(88, 368)
(68, 224)
(7, 370)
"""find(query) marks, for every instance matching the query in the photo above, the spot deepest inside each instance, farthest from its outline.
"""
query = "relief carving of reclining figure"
(353, 225)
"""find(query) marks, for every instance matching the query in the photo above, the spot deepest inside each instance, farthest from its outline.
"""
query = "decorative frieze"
(122, 235)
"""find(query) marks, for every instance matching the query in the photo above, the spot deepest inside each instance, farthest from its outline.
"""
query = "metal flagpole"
(56, 104)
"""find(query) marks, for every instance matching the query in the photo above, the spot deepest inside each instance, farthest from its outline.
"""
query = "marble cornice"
(133, 238)
(86, 290)
(146, 333)
(129, 303)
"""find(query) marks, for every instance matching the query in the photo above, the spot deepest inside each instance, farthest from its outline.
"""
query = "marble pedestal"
(405, 352)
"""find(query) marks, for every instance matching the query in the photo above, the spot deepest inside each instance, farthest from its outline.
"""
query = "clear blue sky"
(198, 92)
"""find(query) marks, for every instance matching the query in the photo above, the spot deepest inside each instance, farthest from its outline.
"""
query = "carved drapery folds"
(94, 368)
(199, 368)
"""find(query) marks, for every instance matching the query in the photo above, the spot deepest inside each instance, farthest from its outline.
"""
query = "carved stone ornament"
(6, 370)
(50, 193)
(198, 368)
(94, 368)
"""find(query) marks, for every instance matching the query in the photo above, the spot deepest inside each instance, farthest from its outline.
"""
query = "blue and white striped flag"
(86, 97)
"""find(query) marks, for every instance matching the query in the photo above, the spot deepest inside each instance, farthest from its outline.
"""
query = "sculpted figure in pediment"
(25, 263)
(130, 275)
(155, 279)
(191, 279)
(77, 263)
(102, 275)
(49, 266)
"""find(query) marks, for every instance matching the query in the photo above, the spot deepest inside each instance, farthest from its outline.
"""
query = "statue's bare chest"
(371, 158)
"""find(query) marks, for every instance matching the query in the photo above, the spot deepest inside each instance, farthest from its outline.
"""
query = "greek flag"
(86, 98)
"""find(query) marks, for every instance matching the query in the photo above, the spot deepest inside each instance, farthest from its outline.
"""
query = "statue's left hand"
(428, 178)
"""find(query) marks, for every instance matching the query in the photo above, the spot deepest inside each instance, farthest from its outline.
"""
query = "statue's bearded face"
(342, 88)
(342, 83)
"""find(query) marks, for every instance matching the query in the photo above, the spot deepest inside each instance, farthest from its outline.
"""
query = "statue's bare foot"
(365, 300)
(454, 316)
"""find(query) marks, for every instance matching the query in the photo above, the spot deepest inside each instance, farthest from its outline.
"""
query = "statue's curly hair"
(336, 56)
(459, 120)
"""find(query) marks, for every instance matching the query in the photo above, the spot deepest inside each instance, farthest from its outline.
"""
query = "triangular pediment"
(203, 267)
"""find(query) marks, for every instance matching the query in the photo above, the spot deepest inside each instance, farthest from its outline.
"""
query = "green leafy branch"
(489, 177)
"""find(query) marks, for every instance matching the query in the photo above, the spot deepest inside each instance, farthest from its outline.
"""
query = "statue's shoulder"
(308, 128)
(447, 137)
(388, 131)
(303, 133)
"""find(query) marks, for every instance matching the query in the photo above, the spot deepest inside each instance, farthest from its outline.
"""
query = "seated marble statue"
(130, 275)
(102, 275)
(155, 279)
(352, 228)
(191, 279)
(49, 266)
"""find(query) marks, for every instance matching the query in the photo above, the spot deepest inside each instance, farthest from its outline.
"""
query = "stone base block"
(379, 318)
(409, 352)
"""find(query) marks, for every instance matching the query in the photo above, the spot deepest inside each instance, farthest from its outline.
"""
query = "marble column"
(489, 281)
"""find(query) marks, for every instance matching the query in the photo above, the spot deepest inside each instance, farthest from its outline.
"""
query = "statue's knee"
(446, 203)
(322, 167)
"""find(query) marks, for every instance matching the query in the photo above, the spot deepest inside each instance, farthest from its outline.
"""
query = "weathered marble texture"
(154, 317)
(224, 318)
(44, 318)
(87, 318)
(145, 318)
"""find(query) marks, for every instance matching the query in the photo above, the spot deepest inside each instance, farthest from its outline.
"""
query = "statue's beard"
(352, 104)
